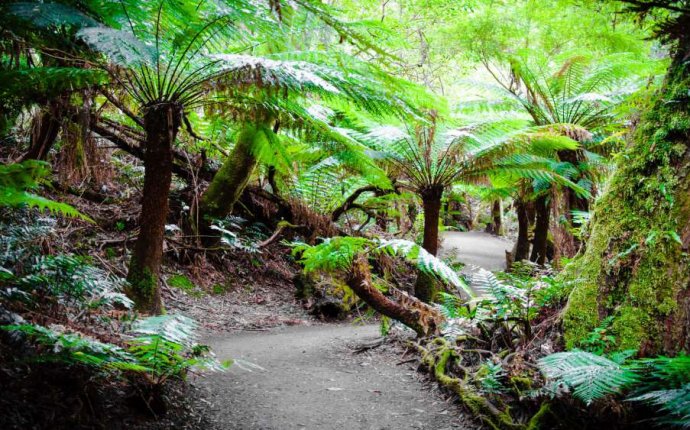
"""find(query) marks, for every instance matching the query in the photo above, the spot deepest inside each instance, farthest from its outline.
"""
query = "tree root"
(436, 358)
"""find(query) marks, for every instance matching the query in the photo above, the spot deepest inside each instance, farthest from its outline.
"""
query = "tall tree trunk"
(161, 122)
(572, 201)
(425, 286)
(227, 185)
(271, 177)
(45, 129)
(636, 266)
(522, 245)
(541, 229)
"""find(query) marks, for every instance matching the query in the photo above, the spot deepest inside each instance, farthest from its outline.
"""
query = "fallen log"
(423, 319)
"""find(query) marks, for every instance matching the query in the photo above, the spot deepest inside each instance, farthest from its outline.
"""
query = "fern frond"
(590, 376)
(172, 328)
(673, 403)
(17, 178)
(425, 262)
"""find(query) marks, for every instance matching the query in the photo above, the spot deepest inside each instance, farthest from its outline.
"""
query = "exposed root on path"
(439, 355)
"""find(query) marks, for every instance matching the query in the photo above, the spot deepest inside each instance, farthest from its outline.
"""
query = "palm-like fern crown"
(169, 51)
(431, 157)
(162, 52)
(579, 92)
(306, 95)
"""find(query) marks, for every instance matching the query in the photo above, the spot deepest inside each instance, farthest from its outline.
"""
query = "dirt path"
(477, 248)
(312, 379)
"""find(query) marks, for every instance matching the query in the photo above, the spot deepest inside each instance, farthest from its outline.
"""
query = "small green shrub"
(600, 340)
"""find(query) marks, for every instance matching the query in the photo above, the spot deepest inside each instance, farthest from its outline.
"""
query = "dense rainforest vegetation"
(170, 167)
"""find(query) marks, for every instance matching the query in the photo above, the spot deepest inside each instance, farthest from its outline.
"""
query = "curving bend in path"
(309, 378)
(313, 380)
(476, 248)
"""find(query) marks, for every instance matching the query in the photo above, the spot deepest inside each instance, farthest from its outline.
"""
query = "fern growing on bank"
(18, 179)
(67, 281)
(162, 347)
(74, 283)
(662, 382)
(337, 254)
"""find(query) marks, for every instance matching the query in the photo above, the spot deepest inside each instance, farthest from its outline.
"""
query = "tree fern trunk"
(227, 185)
(495, 227)
(541, 230)
(522, 245)
(425, 286)
(636, 266)
(381, 216)
(431, 199)
(162, 123)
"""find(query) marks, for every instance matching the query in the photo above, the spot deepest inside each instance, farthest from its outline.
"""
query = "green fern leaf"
(590, 376)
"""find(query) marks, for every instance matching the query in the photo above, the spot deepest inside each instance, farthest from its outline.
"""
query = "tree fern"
(336, 254)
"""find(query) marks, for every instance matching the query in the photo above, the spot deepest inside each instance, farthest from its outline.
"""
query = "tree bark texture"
(424, 320)
(541, 229)
(495, 227)
(522, 245)
(431, 199)
(162, 122)
(636, 266)
(426, 286)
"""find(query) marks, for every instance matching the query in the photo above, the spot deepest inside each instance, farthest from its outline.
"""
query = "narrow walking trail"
(476, 248)
(311, 378)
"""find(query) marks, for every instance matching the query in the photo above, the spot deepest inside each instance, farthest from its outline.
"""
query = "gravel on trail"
(476, 248)
(314, 378)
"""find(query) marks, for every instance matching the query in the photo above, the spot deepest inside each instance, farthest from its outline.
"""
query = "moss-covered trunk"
(162, 122)
(636, 266)
(227, 185)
